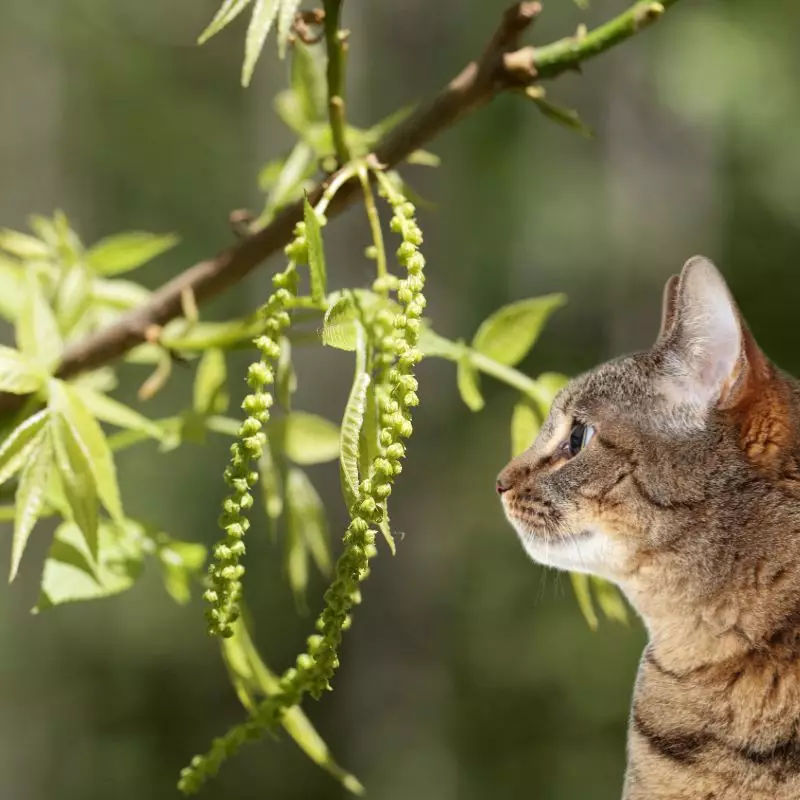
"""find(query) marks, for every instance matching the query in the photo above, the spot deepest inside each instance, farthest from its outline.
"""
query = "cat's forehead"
(622, 386)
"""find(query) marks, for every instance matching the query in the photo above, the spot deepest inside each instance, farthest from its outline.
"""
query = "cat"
(675, 473)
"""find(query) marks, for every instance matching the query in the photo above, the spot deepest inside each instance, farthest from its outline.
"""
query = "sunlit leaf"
(229, 10)
(305, 505)
(126, 251)
(271, 485)
(115, 413)
(524, 427)
(72, 573)
(17, 447)
(310, 439)
(316, 255)
(340, 328)
(285, 21)
(509, 333)
(18, 375)
(12, 279)
(285, 376)
(469, 384)
(73, 298)
(424, 158)
(609, 599)
(89, 438)
(118, 294)
(22, 245)
(38, 337)
(289, 182)
(583, 593)
(30, 496)
(351, 424)
(264, 13)
(308, 80)
(386, 529)
(434, 345)
(210, 396)
(181, 564)
(550, 384)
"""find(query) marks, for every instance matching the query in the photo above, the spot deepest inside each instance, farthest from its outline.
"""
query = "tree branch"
(502, 66)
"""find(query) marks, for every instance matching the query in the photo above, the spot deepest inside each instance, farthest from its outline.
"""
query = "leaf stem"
(507, 375)
(336, 45)
(374, 224)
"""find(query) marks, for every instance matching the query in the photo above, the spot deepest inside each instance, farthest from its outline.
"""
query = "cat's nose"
(505, 481)
(501, 487)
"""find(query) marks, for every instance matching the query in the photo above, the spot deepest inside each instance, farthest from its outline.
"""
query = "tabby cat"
(675, 473)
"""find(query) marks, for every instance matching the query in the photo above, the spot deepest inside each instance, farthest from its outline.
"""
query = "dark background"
(469, 672)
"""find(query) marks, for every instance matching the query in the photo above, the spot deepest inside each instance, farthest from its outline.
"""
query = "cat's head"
(661, 459)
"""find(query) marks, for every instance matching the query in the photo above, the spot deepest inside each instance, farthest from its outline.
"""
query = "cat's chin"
(588, 551)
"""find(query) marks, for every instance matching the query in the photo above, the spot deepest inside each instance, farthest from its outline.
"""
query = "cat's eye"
(579, 437)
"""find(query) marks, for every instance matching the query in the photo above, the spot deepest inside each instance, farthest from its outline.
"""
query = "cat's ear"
(668, 307)
(709, 355)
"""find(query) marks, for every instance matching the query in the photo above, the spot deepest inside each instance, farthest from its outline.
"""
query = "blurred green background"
(469, 672)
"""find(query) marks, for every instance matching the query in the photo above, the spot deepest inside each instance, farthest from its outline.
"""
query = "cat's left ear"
(709, 356)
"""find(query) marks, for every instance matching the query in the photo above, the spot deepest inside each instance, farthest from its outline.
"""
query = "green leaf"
(581, 586)
(181, 563)
(118, 294)
(469, 384)
(308, 81)
(386, 528)
(271, 484)
(290, 179)
(23, 246)
(610, 600)
(423, 158)
(252, 679)
(340, 328)
(550, 384)
(285, 20)
(228, 12)
(206, 335)
(115, 413)
(73, 298)
(305, 506)
(285, 376)
(509, 333)
(18, 446)
(316, 255)
(566, 117)
(38, 337)
(12, 281)
(91, 440)
(71, 573)
(17, 374)
(525, 426)
(310, 439)
(77, 480)
(264, 13)
(435, 346)
(126, 251)
(210, 396)
(30, 496)
(351, 424)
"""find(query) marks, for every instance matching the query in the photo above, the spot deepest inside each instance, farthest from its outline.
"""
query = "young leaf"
(581, 586)
(550, 384)
(386, 528)
(509, 333)
(524, 427)
(209, 383)
(351, 424)
(316, 255)
(563, 116)
(20, 443)
(92, 441)
(340, 328)
(264, 13)
(71, 573)
(12, 279)
(609, 600)
(115, 413)
(38, 337)
(73, 298)
(296, 558)
(288, 183)
(435, 346)
(23, 246)
(469, 384)
(285, 20)
(271, 484)
(228, 12)
(118, 294)
(308, 81)
(285, 376)
(126, 251)
(77, 480)
(181, 562)
(308, 512)
(310, 439)
(30, 496)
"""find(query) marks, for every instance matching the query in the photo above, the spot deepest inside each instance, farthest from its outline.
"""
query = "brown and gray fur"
(687, 497)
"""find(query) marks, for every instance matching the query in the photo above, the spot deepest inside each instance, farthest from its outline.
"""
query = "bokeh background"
(469, 672)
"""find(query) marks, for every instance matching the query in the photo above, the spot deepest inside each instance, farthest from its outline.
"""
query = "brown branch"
(501, 67)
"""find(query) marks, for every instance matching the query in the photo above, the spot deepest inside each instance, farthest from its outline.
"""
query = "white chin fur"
(592, 554)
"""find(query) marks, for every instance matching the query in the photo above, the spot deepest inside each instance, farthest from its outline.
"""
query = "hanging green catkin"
(314, 668)
(225, 571)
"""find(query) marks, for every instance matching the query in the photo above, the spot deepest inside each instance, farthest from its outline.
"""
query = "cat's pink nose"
(502, 485)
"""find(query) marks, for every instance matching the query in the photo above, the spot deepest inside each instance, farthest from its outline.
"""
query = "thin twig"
(501, 67)
(374, 224)
(336, 46)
